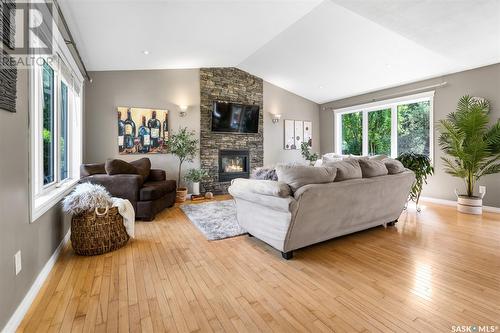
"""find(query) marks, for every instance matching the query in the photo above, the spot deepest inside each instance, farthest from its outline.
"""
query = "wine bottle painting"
(142, 131)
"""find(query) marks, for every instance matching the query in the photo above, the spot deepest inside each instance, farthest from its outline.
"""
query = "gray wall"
(290, 106)
(483, 82)
(37, 241)
(167, 89)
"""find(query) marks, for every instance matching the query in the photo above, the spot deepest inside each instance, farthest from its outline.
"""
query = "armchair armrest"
(124, 186)
(157, 175)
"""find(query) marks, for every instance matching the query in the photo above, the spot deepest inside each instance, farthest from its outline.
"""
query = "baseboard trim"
(16, 318)
(453, 203)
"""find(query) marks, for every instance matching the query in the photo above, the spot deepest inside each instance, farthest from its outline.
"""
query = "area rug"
(216, 220)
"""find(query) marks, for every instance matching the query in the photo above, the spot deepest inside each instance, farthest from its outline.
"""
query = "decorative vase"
(181, 193)
(196, 188)
(470, 205)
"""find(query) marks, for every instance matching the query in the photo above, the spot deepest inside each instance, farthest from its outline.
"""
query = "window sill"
(47, 200)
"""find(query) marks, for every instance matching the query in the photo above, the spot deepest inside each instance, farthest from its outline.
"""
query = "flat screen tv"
(235, 118)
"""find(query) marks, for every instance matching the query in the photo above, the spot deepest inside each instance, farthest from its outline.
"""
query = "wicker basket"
(97, 233)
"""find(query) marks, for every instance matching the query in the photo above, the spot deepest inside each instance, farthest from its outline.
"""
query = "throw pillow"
(372, 168)
(346, 169)
(143, 167)
(393, 166)
(264, 174)
(115, 167)
(297, 176)
(92, 169)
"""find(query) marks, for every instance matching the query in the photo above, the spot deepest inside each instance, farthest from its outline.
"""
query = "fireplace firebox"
(233, 164)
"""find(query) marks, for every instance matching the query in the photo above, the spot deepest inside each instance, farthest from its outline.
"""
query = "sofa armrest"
(263, 187)
(125, 186)
(268, 201)
(157, 175)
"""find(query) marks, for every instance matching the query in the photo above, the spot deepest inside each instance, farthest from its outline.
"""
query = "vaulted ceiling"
(321, 50)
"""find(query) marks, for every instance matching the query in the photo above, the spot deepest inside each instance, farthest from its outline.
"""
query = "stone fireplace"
(233, 164)
(226, 156)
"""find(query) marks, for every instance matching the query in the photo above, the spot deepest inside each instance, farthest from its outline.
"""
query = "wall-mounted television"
(235, 118)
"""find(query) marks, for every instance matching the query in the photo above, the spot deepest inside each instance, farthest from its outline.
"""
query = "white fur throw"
(87, 197)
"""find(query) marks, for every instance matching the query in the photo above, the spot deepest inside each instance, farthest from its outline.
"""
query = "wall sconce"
(183, 111)
(276, 118)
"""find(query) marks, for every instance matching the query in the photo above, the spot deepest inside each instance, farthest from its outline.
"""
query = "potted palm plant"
(472, 147)
(184, 145)
(195, 176)
(421, 165)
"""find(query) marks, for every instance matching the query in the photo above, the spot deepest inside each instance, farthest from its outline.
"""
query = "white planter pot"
(196, 188)
(470, 205)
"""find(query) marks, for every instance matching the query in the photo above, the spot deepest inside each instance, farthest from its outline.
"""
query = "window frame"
(381, 105)
(43, 197)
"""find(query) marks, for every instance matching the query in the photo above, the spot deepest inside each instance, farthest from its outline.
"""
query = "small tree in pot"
(184, 145)
(472, 146)
(195, 176)
(421, 165)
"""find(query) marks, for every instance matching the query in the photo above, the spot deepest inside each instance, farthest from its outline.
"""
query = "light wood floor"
(433, 270)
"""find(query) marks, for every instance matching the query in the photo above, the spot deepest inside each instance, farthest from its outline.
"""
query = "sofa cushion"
(372, 168)
(156, 190)
(92, 169)
(346, 169)
(116, 167)
(380, 157)
(393, 166)
(143, 166)
(297, 176)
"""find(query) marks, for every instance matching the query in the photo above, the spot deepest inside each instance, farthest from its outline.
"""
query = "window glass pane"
(352, 133)
(413, 128)
(48, 124)
(379, 132)
(64, 131)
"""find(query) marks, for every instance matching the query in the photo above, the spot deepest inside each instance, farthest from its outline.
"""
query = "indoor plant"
(305, 150)
(182, 144)
(195, 176)
(421, 165)
(472, 146)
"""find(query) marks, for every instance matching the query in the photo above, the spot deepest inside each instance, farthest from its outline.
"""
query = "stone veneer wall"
(229, 85)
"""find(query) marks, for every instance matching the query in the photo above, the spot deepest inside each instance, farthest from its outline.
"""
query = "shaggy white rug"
(216, 219)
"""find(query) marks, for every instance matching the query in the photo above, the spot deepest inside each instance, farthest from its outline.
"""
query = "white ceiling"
(321, 50)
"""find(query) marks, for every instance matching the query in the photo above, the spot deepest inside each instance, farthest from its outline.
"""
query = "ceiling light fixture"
(145, 52)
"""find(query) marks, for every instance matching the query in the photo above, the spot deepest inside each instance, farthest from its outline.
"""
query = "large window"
(389, 127)
(55, 127)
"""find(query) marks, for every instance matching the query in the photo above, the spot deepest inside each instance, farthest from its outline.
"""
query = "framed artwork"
(289, 135)
(308, 132)
(142, 131)
(296, 132)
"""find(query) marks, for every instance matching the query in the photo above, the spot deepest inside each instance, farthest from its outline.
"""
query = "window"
(63, 144)
(55, 127)
(389, 127)
(48, 124)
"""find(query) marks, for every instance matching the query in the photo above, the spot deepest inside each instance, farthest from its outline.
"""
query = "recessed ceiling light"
(320, 87)
(145, 52)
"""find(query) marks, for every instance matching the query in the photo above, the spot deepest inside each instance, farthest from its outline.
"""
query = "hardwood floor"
(431, 271)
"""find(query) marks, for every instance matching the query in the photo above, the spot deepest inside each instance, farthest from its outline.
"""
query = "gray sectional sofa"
(289, 215)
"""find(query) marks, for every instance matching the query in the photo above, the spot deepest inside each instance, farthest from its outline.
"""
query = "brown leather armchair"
(149, 195)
